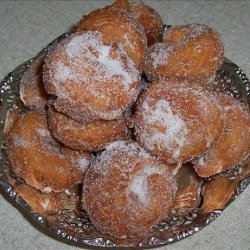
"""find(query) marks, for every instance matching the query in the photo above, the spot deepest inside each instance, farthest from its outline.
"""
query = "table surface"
(27, 26)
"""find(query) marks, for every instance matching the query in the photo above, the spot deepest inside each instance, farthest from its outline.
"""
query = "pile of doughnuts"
(127, 111)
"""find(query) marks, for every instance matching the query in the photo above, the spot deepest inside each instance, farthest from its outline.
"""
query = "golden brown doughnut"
(148, 17)
(92, 136)
(126, 191)
(118, 27)
(32, 91)
(39, 159)
(220, 189)
(90, 79)
(122, 5)
(234, 144)
(39, 202)
(189, 51)
(151, 21)
(177, 121)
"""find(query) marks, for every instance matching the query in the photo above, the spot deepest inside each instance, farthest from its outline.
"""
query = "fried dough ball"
(92, 136)
(42, 162)
(151, 21)
(234, 144)
(217, 192)
(91, 80)
(188, 190)
(39, 202)
(46, 203)
(188, 51)
(126, 191)
(118, 27)
(177, 121)
(32, 91)
(148, 17)
(122, 5)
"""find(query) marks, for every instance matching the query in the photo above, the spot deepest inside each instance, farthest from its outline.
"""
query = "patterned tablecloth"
(27, 26)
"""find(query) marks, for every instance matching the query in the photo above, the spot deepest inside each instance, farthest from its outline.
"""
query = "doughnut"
(148, 17)
(90, 79)
(126, 191)
(118, 27)
(234, 144)
(177, 121)
(32, 91)
(220, 189)
(46, 203)
(92, 136)
(188, 190)
(39, 159)
(191, 51)
(41, 203)
(122, 5)
(216, 193)
(151, 21)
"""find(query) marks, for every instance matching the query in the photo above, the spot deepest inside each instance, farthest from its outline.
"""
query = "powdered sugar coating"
(32, 91)
(63, 73)
(191, 51)
(138, 185)
(88, 74)
(39, 159)
(175, 130)
(160, 53)
(233, 146)
(83, 162)
(118, 26)
(93, 136)
(132, 185)
(169, 120)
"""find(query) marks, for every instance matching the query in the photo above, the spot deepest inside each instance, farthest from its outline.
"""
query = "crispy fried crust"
(126, 191)
(189, 51)
(39, 202)
(36, 157)
(219, 190)
(234, 144)
(148, 17)
(122, 5)
(118, 27)
(93, 136)
(90, 79)
(151, 21)
(32, 91)
(177, 122)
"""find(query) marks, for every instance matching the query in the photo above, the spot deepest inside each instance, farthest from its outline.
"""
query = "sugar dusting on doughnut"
(32, 91)
(138, 185)
(92, 136)
(191, 51)
(130, 184)
(174, 127)
(169, 120)
(96, 56)
(85, 72)
(113, 23)
(233, 146)
(39, 159)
